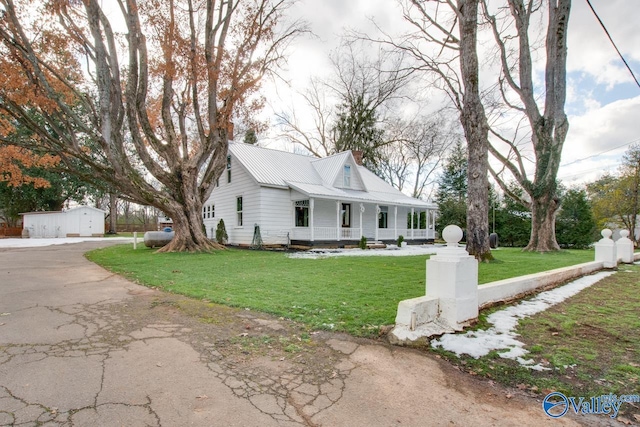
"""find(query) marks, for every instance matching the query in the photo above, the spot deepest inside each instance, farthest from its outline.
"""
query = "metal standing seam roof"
(274, 167)
(315, 177)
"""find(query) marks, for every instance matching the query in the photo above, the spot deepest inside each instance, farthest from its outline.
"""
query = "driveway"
(80, 346)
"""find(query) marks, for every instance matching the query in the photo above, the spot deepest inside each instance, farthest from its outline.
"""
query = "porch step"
(375, 245)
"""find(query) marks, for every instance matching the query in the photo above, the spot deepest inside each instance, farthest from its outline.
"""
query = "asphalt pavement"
(80, 346)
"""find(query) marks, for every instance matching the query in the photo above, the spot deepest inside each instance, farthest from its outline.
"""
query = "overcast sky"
(603, 101)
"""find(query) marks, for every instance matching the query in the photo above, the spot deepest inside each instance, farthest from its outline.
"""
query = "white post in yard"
(135, 240)
(311, 208)
(624, 247)
(452, 277)
(606, 250)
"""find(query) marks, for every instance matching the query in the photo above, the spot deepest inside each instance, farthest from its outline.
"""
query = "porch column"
(395, 222)
(426, 215)
(311, 206)
(338, 220)
(376, 223)
(361, 212)
(412, 212)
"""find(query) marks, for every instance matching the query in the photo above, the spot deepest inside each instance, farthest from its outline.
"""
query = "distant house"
(81, 221)
(297, 199)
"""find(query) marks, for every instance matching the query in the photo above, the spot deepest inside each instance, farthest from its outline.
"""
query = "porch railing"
(331, 233)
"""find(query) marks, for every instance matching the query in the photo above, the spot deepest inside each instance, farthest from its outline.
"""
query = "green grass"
(352, 294)
(512, 262)
(590, 342)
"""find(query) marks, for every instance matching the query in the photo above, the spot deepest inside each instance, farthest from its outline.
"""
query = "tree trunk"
(188, 226)
(189, 233)
(543, 224)
(476, 131)
(113, 214)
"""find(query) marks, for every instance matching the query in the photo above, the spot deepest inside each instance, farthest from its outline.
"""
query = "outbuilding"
(82, 221)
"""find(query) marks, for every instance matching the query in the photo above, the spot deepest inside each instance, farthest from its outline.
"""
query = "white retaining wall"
(437, 312)
(517, 287)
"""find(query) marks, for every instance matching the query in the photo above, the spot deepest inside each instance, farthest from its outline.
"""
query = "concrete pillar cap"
(452, 234)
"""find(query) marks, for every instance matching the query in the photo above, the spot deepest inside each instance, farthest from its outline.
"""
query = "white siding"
(224, 200)
(82, 221)
(370, 221)
(45, 225)
(324, 214)
(276, 215)
(356, 182)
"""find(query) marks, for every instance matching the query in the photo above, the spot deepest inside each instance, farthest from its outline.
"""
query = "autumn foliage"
(141, 92)
(14, 160)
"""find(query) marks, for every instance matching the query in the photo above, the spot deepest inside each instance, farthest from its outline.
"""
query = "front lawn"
(351, 294)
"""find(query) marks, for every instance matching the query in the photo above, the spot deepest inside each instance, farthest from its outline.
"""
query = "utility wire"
(613, 43)
(601, 153)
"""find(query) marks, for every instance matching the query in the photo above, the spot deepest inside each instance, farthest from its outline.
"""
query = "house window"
(208, 212)
(347, 176)
(302, 213)
(383, 217)
(239, 211)
(346, 215)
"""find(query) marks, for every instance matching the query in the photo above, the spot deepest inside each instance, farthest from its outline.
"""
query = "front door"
(346, 215)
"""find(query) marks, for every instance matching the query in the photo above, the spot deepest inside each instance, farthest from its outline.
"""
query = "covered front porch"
(319, 222)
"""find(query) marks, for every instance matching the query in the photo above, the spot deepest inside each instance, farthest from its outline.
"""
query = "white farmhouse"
(81, 221)
(301, 200)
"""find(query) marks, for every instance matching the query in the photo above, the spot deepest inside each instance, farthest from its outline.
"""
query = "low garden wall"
(453, 297)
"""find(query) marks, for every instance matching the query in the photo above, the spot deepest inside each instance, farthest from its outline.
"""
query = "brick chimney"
(230, 128)
(357, 156)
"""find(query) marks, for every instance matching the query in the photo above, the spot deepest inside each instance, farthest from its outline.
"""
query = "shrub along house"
(294, 199)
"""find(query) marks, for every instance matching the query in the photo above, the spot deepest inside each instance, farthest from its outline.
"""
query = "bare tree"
(357, 108)
(318, 139)
(152, 114)
(415, 151)
(443, 47)
(548, 126)
(348, 109)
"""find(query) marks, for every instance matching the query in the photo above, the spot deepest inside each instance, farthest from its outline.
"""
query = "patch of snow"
(32, 243)
(391, 250)
(502, 336)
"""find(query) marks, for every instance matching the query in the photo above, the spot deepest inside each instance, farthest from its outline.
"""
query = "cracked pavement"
(80, 346)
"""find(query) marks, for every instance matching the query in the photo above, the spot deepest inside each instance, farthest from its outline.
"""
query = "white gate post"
(606, 250)
(624, 247)
(452, 277)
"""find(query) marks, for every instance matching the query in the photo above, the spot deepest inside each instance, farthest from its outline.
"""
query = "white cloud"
(590, 50)
(597, 140)
(603, 128)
